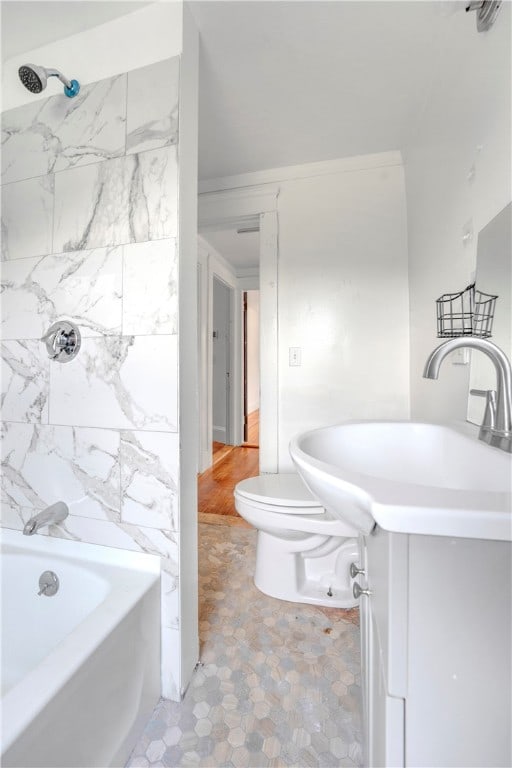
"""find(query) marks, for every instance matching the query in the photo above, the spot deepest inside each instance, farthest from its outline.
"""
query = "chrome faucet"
(496, 427)
(56, 513)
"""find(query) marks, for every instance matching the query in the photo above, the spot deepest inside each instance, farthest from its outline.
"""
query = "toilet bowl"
(303, 553)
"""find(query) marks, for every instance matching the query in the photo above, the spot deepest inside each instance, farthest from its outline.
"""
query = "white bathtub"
(81, 669)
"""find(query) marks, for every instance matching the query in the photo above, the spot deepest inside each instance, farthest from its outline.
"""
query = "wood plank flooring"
(253, 432)
(216, 485)
(230, 464)
(220, 451)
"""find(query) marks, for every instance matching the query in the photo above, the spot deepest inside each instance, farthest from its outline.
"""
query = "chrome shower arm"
(62, 78)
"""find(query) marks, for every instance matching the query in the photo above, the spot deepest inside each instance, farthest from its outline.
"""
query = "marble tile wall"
(89, 229)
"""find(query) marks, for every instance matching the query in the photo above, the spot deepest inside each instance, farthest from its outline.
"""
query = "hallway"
(230, 465)
(215, 486)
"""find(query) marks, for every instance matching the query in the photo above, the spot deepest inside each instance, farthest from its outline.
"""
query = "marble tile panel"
(27, 218)
(25, 381)
(150, 288)
(155, 542)
(59, 133)
(149, 479)
(43, 464)
(152, 106)
(127, 382)
(13, 517)
(84, 286)
(23, 154)
(110, 533)
(104, 532)
(130, 199)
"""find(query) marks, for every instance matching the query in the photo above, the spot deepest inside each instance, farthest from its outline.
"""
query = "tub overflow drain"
(48, 584)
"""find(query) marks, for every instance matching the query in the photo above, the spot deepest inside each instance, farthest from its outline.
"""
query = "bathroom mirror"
(493, 275)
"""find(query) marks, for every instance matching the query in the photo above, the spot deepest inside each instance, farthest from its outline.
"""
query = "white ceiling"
(28, 25)
(242, 251)
(284, 83)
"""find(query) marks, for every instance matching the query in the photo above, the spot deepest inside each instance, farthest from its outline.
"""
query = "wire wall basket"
(467, 313)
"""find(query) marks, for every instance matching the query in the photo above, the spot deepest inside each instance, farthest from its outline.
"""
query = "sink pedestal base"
(436, 660)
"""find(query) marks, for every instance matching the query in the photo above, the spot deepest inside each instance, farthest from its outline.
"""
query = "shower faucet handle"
(55, 342)
(62, 341)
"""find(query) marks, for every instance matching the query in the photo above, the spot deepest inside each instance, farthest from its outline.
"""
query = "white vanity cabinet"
(436, 650)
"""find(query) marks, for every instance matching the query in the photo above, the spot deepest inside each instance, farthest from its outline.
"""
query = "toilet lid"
(286, 491)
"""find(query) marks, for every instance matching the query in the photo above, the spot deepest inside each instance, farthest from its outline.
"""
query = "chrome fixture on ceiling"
(486, 12)
(34, 78)
(247, 230)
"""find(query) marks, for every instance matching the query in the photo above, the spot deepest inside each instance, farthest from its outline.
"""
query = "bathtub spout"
(56, 513)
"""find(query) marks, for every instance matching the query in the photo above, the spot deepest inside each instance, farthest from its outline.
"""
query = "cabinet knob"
(354, 570)
(357, 591)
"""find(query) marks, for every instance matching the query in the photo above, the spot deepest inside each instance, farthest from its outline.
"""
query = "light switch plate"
(294, 356)
(461, 356)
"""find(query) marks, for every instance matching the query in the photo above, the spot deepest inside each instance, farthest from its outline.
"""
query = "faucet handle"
(62, 341)
(490, 406)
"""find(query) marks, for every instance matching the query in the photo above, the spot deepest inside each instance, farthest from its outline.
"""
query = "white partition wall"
(113, 434)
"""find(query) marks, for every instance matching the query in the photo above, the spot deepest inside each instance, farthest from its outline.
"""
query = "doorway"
(231, 359)
(249, 210)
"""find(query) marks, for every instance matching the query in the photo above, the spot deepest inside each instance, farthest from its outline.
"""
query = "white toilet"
(303, 552)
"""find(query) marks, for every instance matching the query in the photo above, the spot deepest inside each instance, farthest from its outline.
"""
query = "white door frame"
(220, 210)
(212, 266)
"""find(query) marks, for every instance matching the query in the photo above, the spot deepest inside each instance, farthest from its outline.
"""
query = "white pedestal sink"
(433, 507)
(408, 477)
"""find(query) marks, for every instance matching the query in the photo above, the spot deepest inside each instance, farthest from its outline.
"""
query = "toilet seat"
(282, 493)
(268, 518)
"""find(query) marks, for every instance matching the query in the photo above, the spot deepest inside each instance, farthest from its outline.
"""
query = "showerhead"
(34, 78)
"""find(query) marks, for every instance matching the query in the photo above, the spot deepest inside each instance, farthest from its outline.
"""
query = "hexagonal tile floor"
(279, 682)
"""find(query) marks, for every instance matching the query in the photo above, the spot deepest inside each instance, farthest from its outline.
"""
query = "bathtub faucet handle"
(48, 584)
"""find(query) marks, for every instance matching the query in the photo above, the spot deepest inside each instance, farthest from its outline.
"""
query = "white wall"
(343, 299)
(342, 293)
(466, 124)
(253, 351)
(122, 518)
(188, 632)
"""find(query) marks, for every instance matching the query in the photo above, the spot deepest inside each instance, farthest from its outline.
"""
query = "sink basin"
(408, 477)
